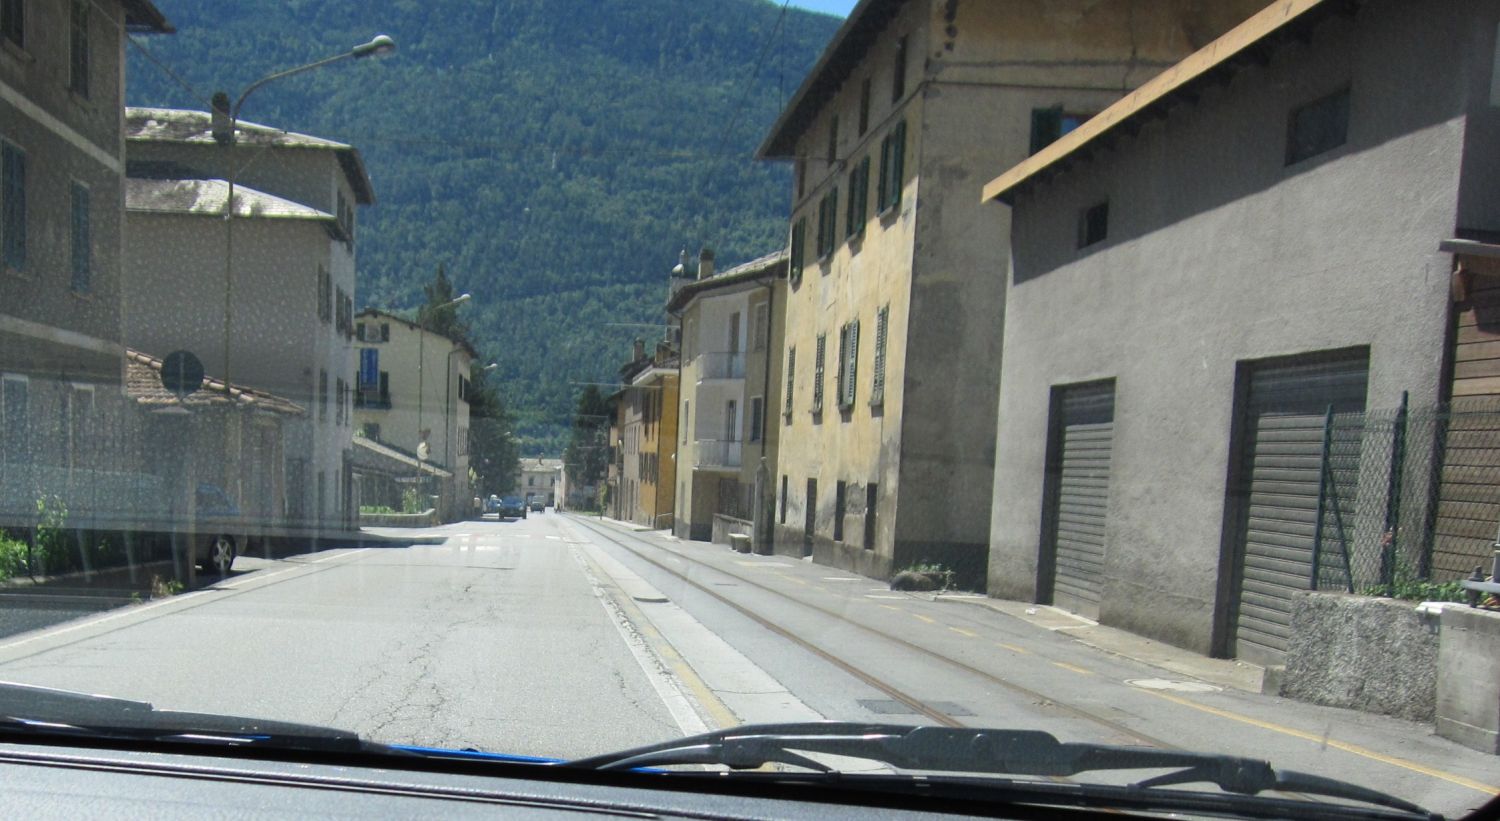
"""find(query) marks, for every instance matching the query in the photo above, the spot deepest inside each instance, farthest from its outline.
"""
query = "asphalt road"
(562, 636)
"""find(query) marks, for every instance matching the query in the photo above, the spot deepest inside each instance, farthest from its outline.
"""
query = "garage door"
(1281, 471)
(1084, 434)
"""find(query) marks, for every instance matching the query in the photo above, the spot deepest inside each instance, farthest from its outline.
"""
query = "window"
(761, 330)
(325, 296)
(1093, 224)
(13, 21)
(791, 373)
(1319, 126)
(757, 417)
(864, 106)
(81, 240)
(848, 358)
(833, 140)
(818, 361)
(828, 212)
(12, 206)
(15, 421)
(78, 74)
(783, 498)
(871, 497)
(798, 250)
(1048, 124)
(338, 409)
(859, 195)
(898, 72)
(801, 177)
(322, 394)
(892, 168)
(840, 501)
(882, 322)
(359, 331)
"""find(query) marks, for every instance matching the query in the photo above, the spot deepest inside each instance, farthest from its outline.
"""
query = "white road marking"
(841, 578)
(666, 685)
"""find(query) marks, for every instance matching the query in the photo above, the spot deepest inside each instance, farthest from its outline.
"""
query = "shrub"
(12, 558)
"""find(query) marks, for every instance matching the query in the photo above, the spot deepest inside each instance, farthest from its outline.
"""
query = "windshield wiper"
(44, 711)
(971, 751)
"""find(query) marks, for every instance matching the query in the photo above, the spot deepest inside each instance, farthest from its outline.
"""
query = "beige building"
(644, 430)
(287, 260)
(67, 428)
(897, 273)
(411, 393)
(541, 477)
(732, 324)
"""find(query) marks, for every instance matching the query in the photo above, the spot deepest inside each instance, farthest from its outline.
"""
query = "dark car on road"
(539, 504)
(513, 506)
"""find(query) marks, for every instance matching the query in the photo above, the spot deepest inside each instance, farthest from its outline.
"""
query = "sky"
(839, 7)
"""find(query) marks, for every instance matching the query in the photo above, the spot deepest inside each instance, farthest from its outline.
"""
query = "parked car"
(220, 529)
(513, 506)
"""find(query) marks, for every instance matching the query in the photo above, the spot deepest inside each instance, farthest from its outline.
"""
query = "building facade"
(645, 438)
(1217, 280)
(541, 477)
(893, 319)
(67, 428)
(731, 323)
(411, 393)
(264, 299)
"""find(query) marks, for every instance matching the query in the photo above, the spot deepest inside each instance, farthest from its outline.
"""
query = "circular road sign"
(181, 373)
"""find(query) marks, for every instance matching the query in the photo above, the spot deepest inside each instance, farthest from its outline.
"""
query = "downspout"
(762, 522)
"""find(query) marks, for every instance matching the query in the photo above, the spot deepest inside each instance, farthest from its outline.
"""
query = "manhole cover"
(1170, 684)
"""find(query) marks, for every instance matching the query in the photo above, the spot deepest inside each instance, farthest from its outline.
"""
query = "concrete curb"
(1220, 672)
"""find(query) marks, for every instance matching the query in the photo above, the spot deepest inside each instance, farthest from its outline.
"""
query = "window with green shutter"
(819, 355)
(81, 240)
(877, 389)
(798, 251)
(859, 195)
(848, 363)
(892, 167)
(828, 210)
(791, 373)
(12, 206)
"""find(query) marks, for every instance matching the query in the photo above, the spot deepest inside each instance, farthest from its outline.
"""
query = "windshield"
(558, 379)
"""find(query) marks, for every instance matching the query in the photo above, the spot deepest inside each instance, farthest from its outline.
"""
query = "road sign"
(181, 373)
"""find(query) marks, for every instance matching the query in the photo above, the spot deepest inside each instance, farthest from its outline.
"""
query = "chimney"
(640, 350)
(706, 263)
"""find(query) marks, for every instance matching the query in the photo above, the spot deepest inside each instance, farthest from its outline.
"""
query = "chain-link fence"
(1405, 495)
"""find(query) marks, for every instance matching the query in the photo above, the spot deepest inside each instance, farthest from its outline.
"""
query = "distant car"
(492, 504)
(539, 504)
(513, 506)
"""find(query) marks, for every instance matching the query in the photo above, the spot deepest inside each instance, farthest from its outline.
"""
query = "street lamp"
(224, 123)
(422, 361)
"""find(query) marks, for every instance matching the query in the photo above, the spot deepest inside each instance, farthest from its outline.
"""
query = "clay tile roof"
(143, 384)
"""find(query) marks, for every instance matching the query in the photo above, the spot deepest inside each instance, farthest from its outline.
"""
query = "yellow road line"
(1072, 668)
(923, 618)
(1353, 749)
(962, 632)
(1011, 647)
(890, 607)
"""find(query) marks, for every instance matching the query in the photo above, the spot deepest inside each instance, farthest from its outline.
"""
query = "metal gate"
(1292, 500)
(1083, 436)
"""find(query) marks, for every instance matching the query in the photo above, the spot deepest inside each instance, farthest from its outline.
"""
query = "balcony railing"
(722, 365)
(718, 453)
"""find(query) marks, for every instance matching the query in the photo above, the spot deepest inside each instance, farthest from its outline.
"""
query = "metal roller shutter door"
(1085, 438)
(1281, 466)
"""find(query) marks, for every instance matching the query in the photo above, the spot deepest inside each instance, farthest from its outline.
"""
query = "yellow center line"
(962, 632)
(1353, 749)
(1011, 647)
(1072, 668)
(890, 607)
(923, 618)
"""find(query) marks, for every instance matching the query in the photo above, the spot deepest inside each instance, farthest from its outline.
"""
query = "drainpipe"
(762, 522)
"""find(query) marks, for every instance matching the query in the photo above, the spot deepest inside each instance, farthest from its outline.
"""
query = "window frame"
(892, 169)
(1087, 223)
(898, 70)
(13, 209)
(80, 58)
(855, 214)
(1340, 98)
(820, 361)
(80, 238)
(757, 419)
(797, 250)
(882, 331)
(791, 374)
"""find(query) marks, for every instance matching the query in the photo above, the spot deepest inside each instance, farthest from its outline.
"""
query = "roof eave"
(142, 17)
(780, 142)
(1179, 80)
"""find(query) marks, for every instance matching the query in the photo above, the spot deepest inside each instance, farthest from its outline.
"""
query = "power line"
(166, 69)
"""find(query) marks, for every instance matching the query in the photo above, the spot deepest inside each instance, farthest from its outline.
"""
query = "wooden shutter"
(877, 391)
(818, 362)
(791, 372)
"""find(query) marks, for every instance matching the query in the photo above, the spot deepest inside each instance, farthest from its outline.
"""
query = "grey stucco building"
(1200, 275)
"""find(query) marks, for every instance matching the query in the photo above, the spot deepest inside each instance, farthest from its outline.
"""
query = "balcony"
(718, 453)
(724, 365)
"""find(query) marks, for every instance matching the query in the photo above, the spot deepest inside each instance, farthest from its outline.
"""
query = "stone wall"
(1370, 654)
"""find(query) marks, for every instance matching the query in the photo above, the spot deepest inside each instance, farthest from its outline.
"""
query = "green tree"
(587, 454)
(494, 455)
(440, 317)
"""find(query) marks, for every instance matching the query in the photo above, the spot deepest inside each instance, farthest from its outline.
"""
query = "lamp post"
(421, 363)
(225, 120)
